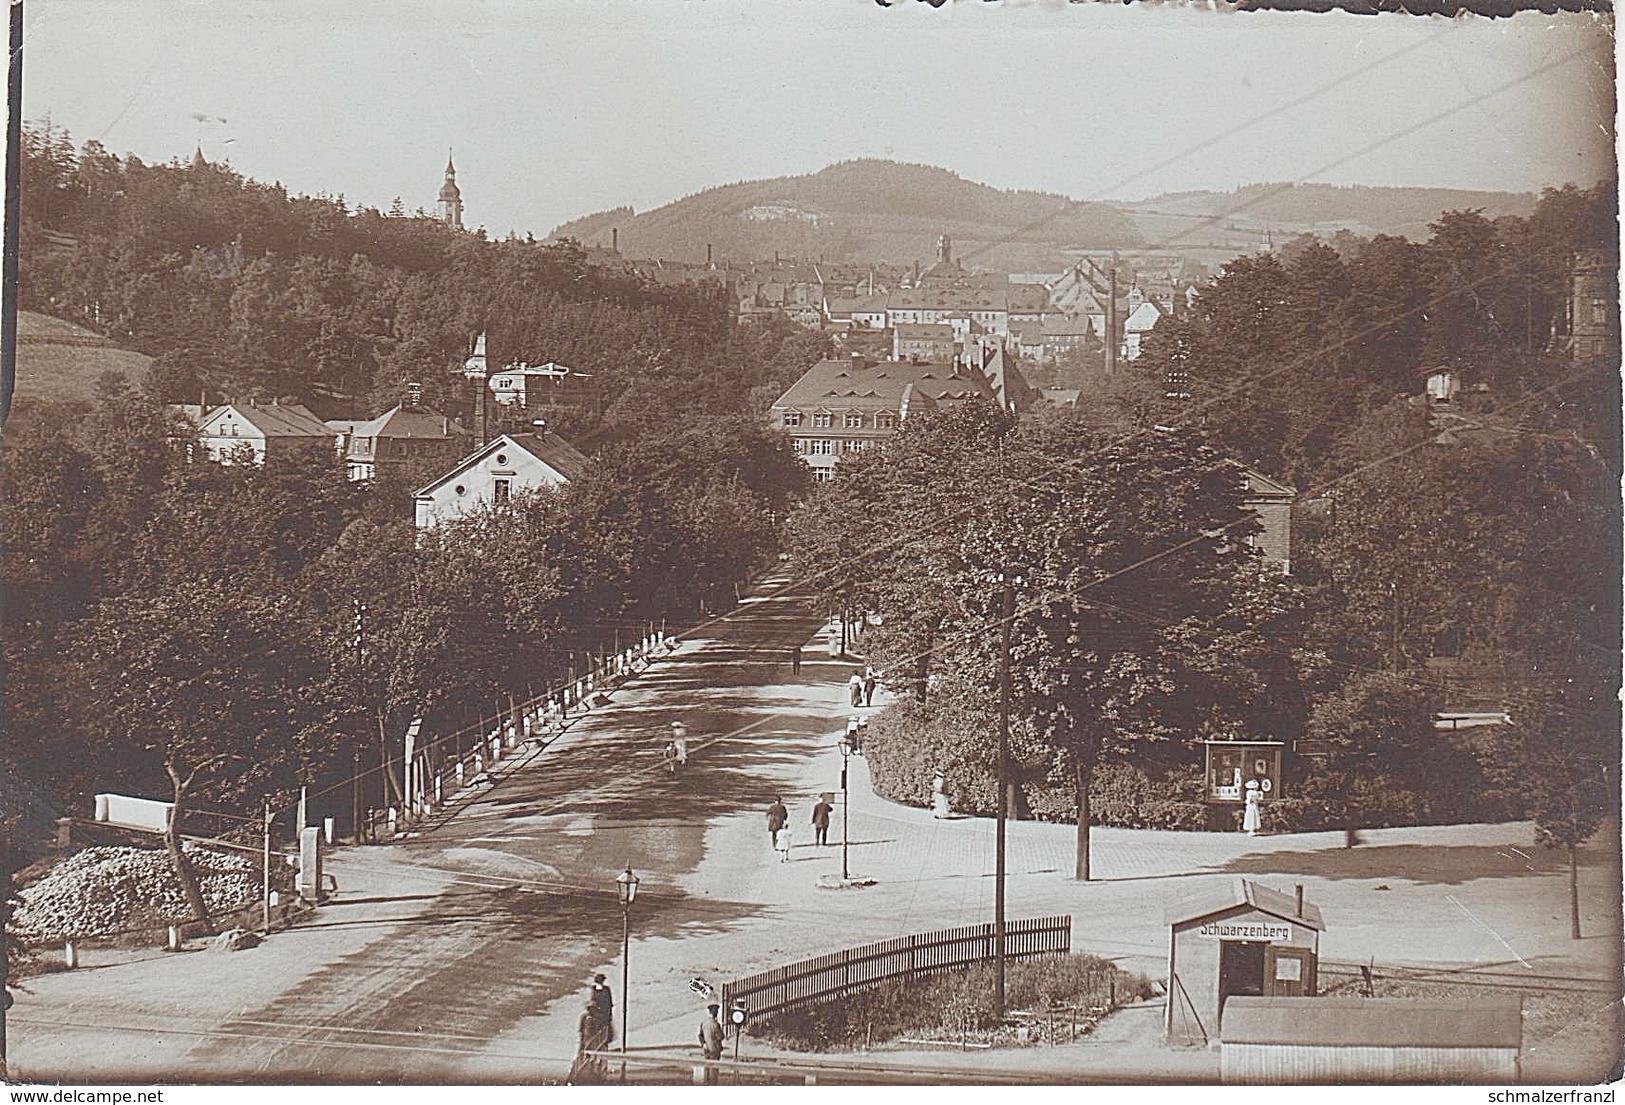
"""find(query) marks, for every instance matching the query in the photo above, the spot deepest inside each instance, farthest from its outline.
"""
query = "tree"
(197, 677)
(1140, 620)
(1559, 759)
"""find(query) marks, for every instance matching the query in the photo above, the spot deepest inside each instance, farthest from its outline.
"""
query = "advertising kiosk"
(1235, 767)
(1239, 939)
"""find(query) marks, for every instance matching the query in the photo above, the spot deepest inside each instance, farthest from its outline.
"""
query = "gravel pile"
(102, 891)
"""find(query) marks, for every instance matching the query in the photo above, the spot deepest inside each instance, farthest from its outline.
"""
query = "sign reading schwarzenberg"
(1262, 931)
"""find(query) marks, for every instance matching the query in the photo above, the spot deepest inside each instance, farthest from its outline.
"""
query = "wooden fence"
(923, 953)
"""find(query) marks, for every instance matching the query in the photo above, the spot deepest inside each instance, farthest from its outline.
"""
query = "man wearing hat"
(711, 1040)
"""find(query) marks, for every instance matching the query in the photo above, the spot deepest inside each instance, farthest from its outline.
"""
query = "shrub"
(953, 1002)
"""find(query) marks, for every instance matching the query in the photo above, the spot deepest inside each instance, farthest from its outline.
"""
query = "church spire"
(451, 197)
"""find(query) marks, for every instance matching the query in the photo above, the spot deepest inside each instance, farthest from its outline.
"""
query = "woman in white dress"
(1249, 819)
(781, 842)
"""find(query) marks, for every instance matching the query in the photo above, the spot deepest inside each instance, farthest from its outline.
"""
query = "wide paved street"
(463, 954)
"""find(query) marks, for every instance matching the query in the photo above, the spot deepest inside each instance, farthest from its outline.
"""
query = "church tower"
(945, 249)
(451, 199)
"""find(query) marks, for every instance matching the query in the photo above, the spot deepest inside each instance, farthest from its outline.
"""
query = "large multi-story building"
(840, 407)
(1594, 306)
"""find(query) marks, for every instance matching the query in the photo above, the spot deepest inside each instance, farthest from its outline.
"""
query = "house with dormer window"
(843, 406)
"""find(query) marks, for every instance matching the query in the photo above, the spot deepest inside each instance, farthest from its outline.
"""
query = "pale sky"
(558, 108)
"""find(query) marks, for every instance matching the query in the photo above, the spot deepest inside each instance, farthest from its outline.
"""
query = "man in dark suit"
(777, 817)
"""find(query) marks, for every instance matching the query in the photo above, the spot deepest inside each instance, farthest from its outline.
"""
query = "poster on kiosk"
(1232, 765)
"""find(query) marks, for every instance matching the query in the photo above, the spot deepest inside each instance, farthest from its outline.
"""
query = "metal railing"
(850, 969)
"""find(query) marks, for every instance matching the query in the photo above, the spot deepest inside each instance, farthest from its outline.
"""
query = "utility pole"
(265, 876)
(1111, 316)
(1006, 612)
(1393, 644)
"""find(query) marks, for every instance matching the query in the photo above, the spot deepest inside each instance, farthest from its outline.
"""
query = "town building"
(844, 406)
(396, 440)
(1143, 318)
(1272, 502)
(495, 473)
(923, 341)
(522, 387)
(272, 429)
(1594, 306)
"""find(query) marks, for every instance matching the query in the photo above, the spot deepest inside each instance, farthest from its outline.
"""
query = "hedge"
(909, 742)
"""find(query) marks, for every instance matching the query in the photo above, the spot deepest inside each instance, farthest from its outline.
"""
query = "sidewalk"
(462, 955)
(1458, 895)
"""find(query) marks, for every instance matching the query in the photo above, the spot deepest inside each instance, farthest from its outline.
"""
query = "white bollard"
(327, 830)
(393, 813)
(70, 955)
(174, 943)
(437, 799)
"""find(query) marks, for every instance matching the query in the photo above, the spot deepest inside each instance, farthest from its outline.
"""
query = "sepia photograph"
(721, 543)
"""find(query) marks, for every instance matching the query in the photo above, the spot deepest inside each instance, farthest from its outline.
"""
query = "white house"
(1140, 322)
(496, 472)
(272, 428)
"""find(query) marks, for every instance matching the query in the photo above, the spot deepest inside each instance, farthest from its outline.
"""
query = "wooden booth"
(1231, 767)
(1238, 939)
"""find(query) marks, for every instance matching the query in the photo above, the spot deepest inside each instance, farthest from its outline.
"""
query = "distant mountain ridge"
(864, 210)
(888, 211)
(1363, 209)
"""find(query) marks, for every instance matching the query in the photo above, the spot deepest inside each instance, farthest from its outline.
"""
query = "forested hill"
(865, 210)
(1361, 209)
(236, 287)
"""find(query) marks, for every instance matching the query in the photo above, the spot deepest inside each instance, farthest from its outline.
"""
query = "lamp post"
(846, 802)
(626, 885)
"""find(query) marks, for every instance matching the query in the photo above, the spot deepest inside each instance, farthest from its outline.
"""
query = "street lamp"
(846, 801)
(626, 885)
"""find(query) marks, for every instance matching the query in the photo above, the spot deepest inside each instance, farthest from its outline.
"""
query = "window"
(853, 420)
(821, 448)
(798, 445)
(500, 490)
(792, 419)
(885, 420)
(823, 475)
(823, 420)
(852, 446)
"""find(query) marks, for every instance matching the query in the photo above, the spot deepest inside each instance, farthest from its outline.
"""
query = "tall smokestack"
(615, 238)
(707, 253)
(474, 370)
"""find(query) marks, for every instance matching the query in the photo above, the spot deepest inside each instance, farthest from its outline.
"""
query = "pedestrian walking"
(711, 1037)
(679, 740)
(590, 1036)
(781, 842)
(669, 753)
(854, 736)
(602, 1003)
(795, 660)
(820, 819)
(1249, 820)
(869, 681)
(777, 818)
(854, 688)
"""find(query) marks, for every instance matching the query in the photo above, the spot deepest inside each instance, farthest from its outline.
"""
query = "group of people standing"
(778, 824)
